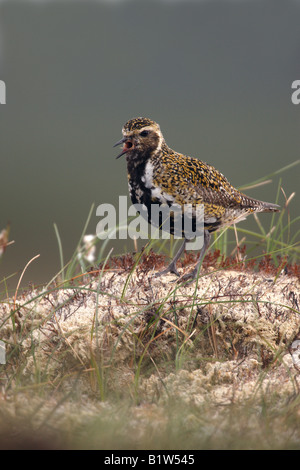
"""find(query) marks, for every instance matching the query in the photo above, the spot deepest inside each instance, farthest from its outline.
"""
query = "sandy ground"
(221, 341)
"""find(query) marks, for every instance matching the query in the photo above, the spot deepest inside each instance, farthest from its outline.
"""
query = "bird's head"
(142, 138)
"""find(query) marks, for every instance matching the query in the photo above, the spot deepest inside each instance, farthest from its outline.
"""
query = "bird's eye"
(144, 133)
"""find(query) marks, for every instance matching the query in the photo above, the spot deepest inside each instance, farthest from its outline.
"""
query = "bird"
(159, 175)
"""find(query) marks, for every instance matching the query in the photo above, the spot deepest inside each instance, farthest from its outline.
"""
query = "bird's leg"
(192, 274)
(172, 266)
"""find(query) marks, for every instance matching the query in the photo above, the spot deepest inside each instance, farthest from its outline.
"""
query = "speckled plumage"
(158, 174)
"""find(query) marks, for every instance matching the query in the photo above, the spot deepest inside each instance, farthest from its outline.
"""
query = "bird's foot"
(170, 269)
(190, 276)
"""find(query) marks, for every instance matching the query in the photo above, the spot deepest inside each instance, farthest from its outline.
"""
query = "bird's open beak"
(127, 146)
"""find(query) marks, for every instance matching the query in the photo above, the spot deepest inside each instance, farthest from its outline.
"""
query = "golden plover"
(159, 175)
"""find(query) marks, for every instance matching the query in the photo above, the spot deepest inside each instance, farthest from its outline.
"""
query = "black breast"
(139, 194)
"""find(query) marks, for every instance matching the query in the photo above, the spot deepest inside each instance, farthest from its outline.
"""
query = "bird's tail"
(259, 206)
(268, 207)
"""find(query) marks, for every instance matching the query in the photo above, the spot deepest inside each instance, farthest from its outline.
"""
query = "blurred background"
(216, 75)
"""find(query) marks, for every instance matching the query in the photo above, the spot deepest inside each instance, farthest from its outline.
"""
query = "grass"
(149, 366)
